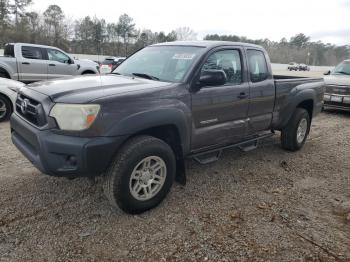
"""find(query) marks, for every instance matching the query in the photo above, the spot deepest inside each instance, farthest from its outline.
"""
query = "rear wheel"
(294, 135)
(5, 108)
(141, 175)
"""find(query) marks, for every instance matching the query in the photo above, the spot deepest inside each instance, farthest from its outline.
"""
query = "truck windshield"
(343, 68)
(163, 63)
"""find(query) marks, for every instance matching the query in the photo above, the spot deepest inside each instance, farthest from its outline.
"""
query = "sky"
(325, 20)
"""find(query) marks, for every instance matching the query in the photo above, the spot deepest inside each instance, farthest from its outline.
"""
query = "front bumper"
(344, 104)
(61, 155)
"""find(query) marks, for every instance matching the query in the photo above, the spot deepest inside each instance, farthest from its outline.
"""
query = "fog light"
(326, 97)
(72, 160)
(346, 99)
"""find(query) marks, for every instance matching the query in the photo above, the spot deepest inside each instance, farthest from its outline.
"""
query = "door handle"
(25, 63)
(52, 65)
(242, 95)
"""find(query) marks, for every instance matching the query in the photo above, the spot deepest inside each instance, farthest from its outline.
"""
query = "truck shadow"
(335, 112)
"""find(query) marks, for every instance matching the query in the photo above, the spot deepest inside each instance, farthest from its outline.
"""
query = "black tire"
(88, 73)
(117, 179)
(5, 104)
(3, 75)
(289, 138)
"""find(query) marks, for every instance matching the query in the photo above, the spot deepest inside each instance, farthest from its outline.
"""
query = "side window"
(229, 61)
(257, 66)
(55, 55)
(31, 52)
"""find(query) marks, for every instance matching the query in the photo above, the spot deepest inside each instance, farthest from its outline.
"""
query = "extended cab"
(164, 103)
(29, 63)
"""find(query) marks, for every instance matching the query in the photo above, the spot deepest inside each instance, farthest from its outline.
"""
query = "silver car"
(30, 63)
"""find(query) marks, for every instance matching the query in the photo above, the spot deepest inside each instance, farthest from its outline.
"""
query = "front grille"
(31, 110)
(338, 90)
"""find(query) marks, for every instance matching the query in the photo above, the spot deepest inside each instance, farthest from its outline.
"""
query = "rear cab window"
(257, 66)
(9, 50)
(31, 52)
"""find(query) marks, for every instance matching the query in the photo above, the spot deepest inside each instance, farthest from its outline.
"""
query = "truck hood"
(83, 89)
(12, 84)
(85, 62)
(340, 80)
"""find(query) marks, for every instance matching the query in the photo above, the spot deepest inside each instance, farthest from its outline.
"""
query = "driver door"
(220, 112)
(59, 64)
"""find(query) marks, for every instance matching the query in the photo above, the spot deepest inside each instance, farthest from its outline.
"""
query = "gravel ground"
(266, 204)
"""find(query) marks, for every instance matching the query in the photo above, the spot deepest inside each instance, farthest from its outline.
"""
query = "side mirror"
(213, 78)
(327, 73)
(70, 61)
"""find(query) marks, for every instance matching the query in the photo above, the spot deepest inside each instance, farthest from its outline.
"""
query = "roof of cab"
(207, 44)
(34, 45)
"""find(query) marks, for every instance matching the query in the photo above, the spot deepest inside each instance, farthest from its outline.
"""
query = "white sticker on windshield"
(184, 56)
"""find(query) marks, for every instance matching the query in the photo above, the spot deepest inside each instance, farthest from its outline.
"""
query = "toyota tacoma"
(167, 102)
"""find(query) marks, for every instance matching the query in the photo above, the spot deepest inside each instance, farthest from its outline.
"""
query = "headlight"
(74, 116)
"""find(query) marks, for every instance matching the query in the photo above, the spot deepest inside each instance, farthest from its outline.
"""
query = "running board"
(212, 155)
(249, 146)
(208, 157)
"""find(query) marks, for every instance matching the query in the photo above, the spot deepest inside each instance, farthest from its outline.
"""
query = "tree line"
(91, 35)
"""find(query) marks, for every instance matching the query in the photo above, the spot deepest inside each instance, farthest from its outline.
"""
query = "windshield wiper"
(342, 72)
(146, 76)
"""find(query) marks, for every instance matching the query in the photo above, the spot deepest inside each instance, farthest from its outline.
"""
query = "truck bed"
(284, 92)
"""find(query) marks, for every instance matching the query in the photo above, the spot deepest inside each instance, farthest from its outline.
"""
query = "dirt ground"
(267, 204)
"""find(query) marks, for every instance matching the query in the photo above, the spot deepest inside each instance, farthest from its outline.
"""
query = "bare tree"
(127, 29)
(185, 33)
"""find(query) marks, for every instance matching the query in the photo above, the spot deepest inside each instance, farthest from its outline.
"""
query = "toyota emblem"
(24, 106)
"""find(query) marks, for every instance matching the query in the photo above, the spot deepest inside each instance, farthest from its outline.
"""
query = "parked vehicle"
(337, 93)
(293, 66)
(30, 63)
(110, 63)
(303, 67)
(8, 94)
(163, 104)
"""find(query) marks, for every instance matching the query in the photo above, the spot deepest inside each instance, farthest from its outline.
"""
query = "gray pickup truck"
(337, 91)
(163, 104)
(29, 63)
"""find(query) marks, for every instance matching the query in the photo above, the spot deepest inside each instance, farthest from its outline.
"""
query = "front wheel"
(141, 175)
(5, 108)
(294, 135)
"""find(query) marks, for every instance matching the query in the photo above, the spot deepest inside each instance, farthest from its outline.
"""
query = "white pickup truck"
(29, 63)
